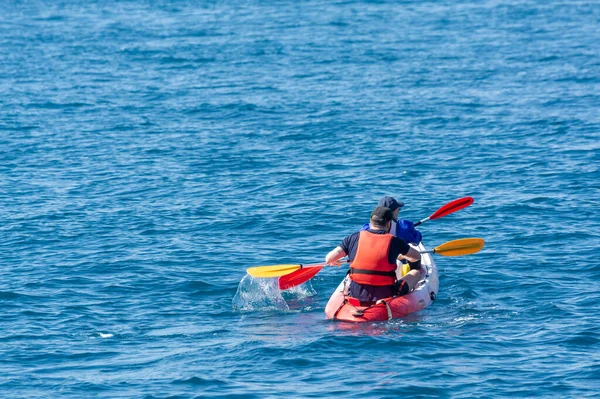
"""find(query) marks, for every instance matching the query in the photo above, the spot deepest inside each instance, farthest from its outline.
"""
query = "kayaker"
(404, 229)
(372, 254)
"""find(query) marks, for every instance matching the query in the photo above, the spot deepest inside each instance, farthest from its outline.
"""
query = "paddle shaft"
(463, 246)
(420, 222)
(452, 248)
(312, 266)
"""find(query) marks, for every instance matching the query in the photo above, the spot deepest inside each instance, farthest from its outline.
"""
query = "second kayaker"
(401, 228)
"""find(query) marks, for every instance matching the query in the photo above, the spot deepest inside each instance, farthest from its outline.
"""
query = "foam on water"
(258, 294)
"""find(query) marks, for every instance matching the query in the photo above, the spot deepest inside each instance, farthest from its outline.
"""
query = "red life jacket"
(371, 265)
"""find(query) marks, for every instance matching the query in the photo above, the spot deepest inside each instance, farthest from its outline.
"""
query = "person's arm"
(414, 260)
(334, 255)
(345, 248)
(412, 255)
(401, 250)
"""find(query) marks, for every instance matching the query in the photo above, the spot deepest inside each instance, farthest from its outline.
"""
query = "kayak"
(342, 308)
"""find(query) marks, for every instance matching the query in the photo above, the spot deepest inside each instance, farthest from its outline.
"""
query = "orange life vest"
(371, 265)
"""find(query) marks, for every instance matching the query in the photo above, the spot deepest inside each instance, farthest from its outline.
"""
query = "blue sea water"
(151, 151)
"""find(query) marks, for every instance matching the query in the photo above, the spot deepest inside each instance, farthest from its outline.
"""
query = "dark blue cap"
(390, 202)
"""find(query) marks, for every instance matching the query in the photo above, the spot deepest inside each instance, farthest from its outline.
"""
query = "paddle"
(280, 270)
(449, 208)
(463, 246)
(302, 275)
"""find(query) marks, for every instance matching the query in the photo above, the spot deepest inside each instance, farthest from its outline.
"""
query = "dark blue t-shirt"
(397, 246)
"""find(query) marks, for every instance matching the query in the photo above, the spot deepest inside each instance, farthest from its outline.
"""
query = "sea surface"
(151, 151)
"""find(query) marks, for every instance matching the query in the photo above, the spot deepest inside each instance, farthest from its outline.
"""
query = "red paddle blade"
(452, 207)
(298, 277)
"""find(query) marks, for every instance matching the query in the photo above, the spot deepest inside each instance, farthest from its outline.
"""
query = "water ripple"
(151, 152)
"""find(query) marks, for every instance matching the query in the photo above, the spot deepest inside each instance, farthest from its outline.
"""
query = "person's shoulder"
(406, 225)
(399, 241)
(352, 235)
(350, 240)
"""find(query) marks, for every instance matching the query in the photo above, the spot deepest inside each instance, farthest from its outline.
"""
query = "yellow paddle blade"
(464, 246)
(272, 271)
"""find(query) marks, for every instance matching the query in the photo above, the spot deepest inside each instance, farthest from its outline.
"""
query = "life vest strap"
(391, 273)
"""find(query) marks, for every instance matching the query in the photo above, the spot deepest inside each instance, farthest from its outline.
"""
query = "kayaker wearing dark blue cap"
(372, 254)
(404, 229)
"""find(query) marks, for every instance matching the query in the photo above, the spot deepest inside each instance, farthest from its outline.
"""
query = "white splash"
(258, 294)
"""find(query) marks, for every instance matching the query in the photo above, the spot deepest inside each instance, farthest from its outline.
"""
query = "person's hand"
(335, 263)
